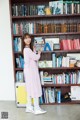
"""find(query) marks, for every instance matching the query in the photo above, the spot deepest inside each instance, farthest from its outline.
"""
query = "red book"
(70, 44)
(63, 45)
(76, 44)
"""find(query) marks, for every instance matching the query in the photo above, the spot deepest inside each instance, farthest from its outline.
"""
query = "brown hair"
(32, 41)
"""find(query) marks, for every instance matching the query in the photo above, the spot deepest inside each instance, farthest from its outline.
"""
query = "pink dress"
(31, 73)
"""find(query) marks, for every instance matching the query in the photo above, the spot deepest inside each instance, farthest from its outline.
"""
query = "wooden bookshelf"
(57, 51)
(44, 16)
(63, 103)
(59, 85)
(61, 68)
(59, 18)
(57, 68)
(61, 51)
(18, 69)
(50, 34)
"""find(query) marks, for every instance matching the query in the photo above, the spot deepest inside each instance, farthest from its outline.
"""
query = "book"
(63, 27)
(54, 60)
(38, 43)
(43, 64)
(74, 55)
(50, 42)
(19, 76)
(41, 9)
(75, 92)
(57, 7)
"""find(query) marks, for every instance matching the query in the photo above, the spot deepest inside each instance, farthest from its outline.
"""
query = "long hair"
(32, 41)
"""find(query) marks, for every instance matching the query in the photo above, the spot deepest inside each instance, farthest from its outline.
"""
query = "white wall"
(7, 91)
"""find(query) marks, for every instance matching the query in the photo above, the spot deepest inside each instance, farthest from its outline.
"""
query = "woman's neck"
(27, 46)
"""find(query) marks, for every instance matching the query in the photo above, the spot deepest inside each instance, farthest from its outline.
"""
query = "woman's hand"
(39, 52)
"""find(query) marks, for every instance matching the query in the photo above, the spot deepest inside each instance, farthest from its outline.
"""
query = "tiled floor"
(54, 112)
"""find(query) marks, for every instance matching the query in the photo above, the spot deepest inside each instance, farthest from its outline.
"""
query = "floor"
(54, 112)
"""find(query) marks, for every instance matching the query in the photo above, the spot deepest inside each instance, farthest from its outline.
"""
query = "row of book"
(17, 44)
(32, 28)
(47, 78)
(51, 8)
(58, 61)
(19, 76)
(19, 60)
(57, 44)
(53, 44)
(48, 95)
(54, 95)
(70, 44)
(64, 78)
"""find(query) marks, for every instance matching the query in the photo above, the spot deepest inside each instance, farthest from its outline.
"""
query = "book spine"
(58, 96)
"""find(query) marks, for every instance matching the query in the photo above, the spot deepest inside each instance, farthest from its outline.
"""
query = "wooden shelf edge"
(18, 53)
(57, 51)
(62, 51)
(63, 103)
(59, 85)
(19, 69)
(45, 16)
(57, 68)
(48, 34)
(60, 68)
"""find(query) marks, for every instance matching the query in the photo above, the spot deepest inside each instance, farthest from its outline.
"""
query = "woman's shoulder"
(27, 49)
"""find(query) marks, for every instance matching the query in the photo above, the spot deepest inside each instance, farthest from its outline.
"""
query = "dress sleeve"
(33, 55)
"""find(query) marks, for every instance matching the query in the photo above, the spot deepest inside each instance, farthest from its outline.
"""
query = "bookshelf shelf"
(57, 51)
(29, 1)
(59, 85)
(61, 51)
(16, 53)
(17, 35)
(61, 68)
(48, 34)
(57, 68)
(63, 103)
(18, 69)
(44, 16)
(63, 26)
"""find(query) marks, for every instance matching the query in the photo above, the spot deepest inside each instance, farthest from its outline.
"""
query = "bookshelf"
(69, 21)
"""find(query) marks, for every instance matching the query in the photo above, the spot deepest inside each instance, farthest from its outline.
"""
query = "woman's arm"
(33, 55)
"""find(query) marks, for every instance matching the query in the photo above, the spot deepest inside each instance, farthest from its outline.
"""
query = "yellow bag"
(21, 95)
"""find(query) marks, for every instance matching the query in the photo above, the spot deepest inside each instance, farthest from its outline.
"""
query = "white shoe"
(29, 110)
(39, 111)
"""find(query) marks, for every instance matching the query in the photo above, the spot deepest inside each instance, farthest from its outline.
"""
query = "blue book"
(54, 79)
(60, 61)
(14, 28)
(23, 10)
(41, 100)
(40, 9)
(21, 61)
(59, 96)
(15, 45)
(47, 47)
(67, 79)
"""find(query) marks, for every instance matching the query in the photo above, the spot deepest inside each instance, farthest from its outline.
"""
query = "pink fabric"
(31, 73)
